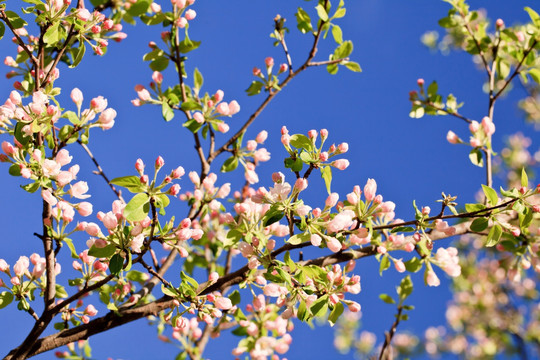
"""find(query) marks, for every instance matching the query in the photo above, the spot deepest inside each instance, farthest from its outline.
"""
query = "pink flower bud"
(432, 279)
(159, 162)
(354, 306)
(181, 22)
(85, 208)
(190, 14)
(420, 82)
(213, 277)
(256, 71)
(269, 62)
(223, 109)
(157, 77)
(198, 117)
(475, 142)
(499, 24)
(452, 138)
(83, 14)
(474, 126)
(90, 310)
(223, 303)
(370, 189)
(341, 164)
(234, 107)
(324, 134)
(343, 147)
(218, 96)
(223, 128)
(399, 265)
(301, 184)
(332, 200)
(333, 244)
(488, 126)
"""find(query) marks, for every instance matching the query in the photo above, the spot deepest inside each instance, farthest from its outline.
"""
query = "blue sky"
(409, 158)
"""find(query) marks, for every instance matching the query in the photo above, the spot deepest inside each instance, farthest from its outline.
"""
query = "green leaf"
(417, 112)
(235, 297)
(14, 170)
(59, 326)
(326, 174)
(166, 111)
(191, 105)
(336, 313)
(104, 252)
(413, 265)
(494, 236)
(512, 193)
(32, 187)
(60, 292)
(169, 292)
(385, 264)
(432, 89)
(294, 164)
(5, 299)
(474, 207)
(491, 195)
(337, 34)
(274, 214)
(230, 164)
(319, 306)
(115, 264)
(188, 45)
(476, 157)
(533, 15)
(198, 79)
(340, 13)
(188, 279)
(387, 298)
(139, 8)
(323, 15)
(78, 56)
(159, 64)
(479, 224)
(51, 35)
(524, 178)
(303, 21)
(535, 74)
(254, 88)
(405, 288)
(301, 142)
(132, 183)
(353, 66)
(137, 208)
(299, 238)
(71, 247)
(302, 313)
(137, 276)
(2, 30)
(15, 19)
(343, 50)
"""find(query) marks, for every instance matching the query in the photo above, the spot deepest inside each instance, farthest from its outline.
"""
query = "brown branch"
(455, 114)
(390, 334)
(270, 96)
(327, 62)
(127, 314)
(33, 59)
(100, 170)
(516, 70)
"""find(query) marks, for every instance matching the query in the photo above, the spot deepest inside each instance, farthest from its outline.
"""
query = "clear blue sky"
(409, 158)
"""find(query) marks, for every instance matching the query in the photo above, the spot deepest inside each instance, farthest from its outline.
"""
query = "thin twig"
(100, 171)
(389, 335)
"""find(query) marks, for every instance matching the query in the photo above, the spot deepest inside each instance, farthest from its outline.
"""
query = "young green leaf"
(137, 208)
